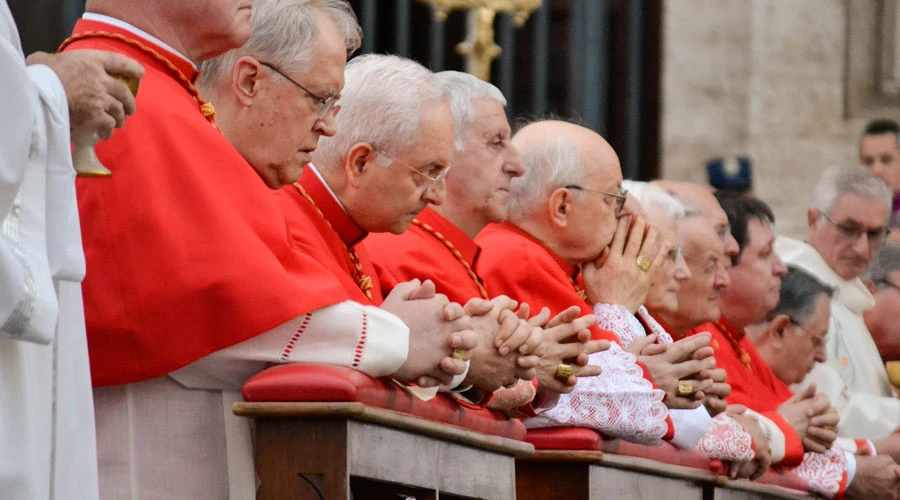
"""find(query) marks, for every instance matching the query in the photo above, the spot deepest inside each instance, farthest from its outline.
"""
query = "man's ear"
(870, 285)
(245, 80)
(559, 206)
(812, 218)
(778, 327)
(358, 162)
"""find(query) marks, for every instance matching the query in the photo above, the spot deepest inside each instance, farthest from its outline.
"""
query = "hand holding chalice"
(100, 88)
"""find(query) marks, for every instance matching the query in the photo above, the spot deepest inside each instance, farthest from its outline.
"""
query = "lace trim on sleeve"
(619, 402)
(727, 440)
(618, 320)
(825, 473)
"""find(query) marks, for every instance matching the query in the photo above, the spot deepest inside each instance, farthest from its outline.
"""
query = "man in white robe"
(47, 445)
(846, 226)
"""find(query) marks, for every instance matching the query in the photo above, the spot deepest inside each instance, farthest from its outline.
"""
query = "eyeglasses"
(817, 341)
(852, 232)
(620, 198)
(326, 104)
(434, 179)
(723, 232)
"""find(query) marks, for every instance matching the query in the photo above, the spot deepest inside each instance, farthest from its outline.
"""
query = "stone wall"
(765, 78)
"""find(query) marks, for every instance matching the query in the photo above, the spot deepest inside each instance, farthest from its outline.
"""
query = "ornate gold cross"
(479, 47)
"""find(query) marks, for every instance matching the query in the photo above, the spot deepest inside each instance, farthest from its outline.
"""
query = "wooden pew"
(351, 449)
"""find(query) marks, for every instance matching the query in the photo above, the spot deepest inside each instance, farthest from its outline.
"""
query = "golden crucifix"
(479, 47)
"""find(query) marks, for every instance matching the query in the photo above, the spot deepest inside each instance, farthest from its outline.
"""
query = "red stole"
(516, 264)
(186, 248)
(418, 253)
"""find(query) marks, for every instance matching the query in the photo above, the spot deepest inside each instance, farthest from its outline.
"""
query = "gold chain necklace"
(456, 253)
(363, 281)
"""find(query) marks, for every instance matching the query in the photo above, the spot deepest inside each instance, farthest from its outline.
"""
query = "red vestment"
(418, 253)
(187, 249)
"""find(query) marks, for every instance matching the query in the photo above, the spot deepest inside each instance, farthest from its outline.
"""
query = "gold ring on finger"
(459, 354)
(685, 388)
(643, 263)
(563, 372)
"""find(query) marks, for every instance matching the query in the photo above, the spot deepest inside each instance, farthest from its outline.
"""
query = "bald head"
(569, 197)
(705, 200)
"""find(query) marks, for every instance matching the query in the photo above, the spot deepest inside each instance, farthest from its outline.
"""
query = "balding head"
(569, 195)
(705, 200)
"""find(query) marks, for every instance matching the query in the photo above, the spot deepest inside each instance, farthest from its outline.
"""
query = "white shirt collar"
(91, 16)
(322, 179)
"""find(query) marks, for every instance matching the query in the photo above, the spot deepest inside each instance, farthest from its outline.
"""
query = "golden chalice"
(83, 156)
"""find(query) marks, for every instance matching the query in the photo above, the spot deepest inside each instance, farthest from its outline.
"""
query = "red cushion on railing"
(575, 438)
(301, 382)
(564, 438)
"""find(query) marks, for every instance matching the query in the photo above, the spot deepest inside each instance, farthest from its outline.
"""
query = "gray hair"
(887, 260)
(381, 105)
(554, 163)
(283, 35)
(835, 183)
(653, 197)
(460, 89)
(799, 293)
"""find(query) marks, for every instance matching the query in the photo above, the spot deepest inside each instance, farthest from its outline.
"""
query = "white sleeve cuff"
(690, 426)
(457, 380)
(851, 466)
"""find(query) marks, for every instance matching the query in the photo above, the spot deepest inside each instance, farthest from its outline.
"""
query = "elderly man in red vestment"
(440, 244)
(565, 212)
(190, 253)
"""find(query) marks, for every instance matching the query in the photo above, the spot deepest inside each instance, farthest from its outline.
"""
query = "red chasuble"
(187, 249)
(754, 386)
(420, 253)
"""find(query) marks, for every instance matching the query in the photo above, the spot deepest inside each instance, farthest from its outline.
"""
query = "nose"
(513, 164)
(327, 125)
(778, 267)
(821, 355)
(731, 246)
(436, 194)
(682, 271)
(861, 245)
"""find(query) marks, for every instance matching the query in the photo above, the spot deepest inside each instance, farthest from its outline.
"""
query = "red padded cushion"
(301, 382)
(565, 438)
(577, 438)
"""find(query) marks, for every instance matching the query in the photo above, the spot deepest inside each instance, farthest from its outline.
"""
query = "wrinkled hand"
(436, 327)
(492, 368)
(813, 418)
(717, 392)
(568, 341)
(98, 102)
(615, 278)
(876, 477)
(758, 466)
(668, 364)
